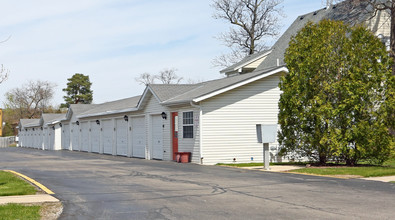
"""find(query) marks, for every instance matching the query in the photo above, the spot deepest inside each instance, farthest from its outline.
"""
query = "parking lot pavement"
(93, 186)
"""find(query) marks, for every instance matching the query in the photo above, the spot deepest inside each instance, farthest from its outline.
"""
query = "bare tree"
(31, 99)
(3, 74)
(253, 20)
(166, 76)
(169, 76)
(145, 78)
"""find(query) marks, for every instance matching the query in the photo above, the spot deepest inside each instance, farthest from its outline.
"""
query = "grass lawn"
(360, 171)
(15, 211)
(388, 169)
(11, 185)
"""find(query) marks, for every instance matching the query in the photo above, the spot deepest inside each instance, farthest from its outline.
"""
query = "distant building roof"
(357, 14)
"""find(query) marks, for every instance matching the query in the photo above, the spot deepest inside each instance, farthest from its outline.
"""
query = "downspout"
(200, 130)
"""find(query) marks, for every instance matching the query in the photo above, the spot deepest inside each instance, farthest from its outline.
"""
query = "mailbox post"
(266, 133)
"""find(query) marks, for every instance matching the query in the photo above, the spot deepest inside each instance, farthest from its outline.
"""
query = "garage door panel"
(157, 137)
(122, 137)
(138, 137)
(75, 138)
(84, 136)
(66, 137)
(107, 135)
(95, 137)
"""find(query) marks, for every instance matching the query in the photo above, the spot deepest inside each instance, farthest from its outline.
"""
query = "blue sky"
(113, 41)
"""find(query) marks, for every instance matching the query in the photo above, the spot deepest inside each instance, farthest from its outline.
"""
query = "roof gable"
(246, 62)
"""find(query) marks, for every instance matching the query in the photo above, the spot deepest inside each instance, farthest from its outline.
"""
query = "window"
(187, 122)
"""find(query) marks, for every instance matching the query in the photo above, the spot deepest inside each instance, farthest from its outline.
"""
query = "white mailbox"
(266, 133)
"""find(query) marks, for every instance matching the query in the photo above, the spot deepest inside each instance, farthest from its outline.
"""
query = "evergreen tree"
(78, 90)
(338, 98)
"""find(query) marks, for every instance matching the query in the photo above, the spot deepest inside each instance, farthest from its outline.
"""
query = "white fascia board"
(107, 113)
(247, 63)
(242, 83)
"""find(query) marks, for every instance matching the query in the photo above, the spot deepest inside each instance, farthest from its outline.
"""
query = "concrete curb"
(39, 198)
(21, 199)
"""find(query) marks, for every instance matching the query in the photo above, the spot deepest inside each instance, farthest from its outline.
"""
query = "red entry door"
(174, 128)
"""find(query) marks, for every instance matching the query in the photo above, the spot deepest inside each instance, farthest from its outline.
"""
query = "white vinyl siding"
(229, 121)
(189, 144)
(255, 64)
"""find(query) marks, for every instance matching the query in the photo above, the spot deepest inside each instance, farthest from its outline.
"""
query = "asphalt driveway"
(93, 186)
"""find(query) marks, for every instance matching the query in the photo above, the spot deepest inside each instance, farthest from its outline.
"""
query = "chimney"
(329, 4)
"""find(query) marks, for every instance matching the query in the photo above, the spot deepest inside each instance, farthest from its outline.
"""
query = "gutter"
(200, 130)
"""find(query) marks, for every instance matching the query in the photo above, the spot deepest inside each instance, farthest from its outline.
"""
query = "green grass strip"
(259, 164)
(11, 185)
(371, 171)
(15, 211)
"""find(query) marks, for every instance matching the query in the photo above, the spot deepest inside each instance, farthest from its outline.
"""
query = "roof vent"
(315, 13)
(334, 7)
(301, 18)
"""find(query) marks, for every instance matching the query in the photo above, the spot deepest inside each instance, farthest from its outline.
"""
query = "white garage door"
(121, 137)
(75, 137)
(95, 137)
(138, 137)
(46, 139)
(84, 136)
(34, 139)
(157, 137)
(51, 140)
(66, 137)
(107, 135)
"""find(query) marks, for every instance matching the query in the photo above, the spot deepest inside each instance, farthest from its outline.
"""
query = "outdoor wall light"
(97, 122)
(25, 129)
(60, 124)
(41, 128)
(126, 118)
(33, 129)
(77, 122)
(164, 116)
(53, 127)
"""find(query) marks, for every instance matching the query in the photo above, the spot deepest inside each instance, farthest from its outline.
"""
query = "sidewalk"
(39, 198)
(285, 168)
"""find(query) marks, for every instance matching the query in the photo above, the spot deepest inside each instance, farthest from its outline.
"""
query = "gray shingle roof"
(338, 12)
(51, 118)
(165, 92)
(110, 107)
(25, 123)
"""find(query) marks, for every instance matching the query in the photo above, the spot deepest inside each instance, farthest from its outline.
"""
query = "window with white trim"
(187, 124)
